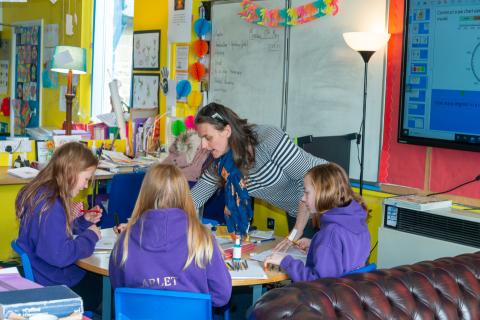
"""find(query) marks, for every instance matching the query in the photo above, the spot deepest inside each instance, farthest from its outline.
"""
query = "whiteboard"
(325, 85)
(247, 64)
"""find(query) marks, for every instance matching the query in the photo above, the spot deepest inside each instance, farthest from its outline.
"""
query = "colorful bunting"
(202, 27)
(200, 47)
(190, 120)
(197, 71)
(292, 16)
(183, 88)
(194, 99)
(178, 127)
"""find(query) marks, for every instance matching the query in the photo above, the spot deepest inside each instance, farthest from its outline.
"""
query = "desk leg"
(257, 293)
(107, 299)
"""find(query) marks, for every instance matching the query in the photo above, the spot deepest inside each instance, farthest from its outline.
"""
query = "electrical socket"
(25, 145)
(271, 223)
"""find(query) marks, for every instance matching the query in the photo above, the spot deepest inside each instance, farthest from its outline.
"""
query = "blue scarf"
(237, 199)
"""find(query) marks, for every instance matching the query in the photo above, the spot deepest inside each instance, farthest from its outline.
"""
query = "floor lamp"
(366, 44)
(69, 60)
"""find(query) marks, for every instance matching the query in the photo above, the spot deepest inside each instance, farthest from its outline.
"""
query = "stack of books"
(416, 202)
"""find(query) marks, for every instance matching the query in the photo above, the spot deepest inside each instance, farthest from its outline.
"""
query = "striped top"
(276, 177)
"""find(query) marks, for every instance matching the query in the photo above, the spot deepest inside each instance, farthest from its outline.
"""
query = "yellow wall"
(8, 220)
(54, 14)
(153, 15)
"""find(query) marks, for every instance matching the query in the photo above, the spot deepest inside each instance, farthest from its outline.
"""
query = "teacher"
(251, 161)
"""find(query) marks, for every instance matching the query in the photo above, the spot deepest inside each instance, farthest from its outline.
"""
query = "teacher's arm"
(204, 189)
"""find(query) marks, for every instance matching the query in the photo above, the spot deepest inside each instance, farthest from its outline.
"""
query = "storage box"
(60, 301)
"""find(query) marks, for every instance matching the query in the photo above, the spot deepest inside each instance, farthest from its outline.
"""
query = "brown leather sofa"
(444, 289)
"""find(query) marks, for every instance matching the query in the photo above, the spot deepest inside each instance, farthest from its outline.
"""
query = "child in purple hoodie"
(343, 242)
(47, 224)
(164, 245)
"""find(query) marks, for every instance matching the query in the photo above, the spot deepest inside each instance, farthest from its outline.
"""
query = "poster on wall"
(179, 20)
(146, 50)
(27, 76)
(145, 90)
(3, 76)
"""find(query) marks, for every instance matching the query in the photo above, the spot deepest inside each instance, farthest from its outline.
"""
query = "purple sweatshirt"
(341, 245)
(157, 255)
(52, 253)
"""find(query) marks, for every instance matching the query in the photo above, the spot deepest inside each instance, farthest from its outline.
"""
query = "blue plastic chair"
(367, 268)
(139, 303)
(27, 267)
(123, 194)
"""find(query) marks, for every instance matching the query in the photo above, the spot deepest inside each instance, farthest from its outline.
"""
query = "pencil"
(90, 210)
(116, 219)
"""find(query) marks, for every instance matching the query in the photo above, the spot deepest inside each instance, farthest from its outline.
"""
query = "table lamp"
(366, 44)
(69, 60)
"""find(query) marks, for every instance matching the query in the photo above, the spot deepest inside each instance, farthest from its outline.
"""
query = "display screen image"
(440, 96)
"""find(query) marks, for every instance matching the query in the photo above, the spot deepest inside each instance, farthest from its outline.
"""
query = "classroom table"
(98, 263)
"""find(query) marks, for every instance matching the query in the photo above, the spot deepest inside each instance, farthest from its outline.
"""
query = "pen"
(263, 240)
(116, 219)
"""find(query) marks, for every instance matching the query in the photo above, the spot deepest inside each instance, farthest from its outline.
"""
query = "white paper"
(261, 234)
(292, 251)
(68, 24)
(62, 102)
(254, 271)
(106, 243)
(179, 20)
(181, 57)
(61, 140)
(23, 172)
(11, 270)
(172, 93)
(110, 119)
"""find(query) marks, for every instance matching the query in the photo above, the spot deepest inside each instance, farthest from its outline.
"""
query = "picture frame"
(145, 90)
(146, 50)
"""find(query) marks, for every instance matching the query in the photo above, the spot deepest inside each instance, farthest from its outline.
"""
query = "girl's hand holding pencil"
(93, 215)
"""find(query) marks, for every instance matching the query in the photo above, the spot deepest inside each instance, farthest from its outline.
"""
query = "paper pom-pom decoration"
(183, 88)
(200, 47)
(202, 27)
(178, 127)
(194, 99)
(197, 71)
(190, 122)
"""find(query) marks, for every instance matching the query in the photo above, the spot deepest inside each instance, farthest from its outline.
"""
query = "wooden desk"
(98, 263)
(6, 179)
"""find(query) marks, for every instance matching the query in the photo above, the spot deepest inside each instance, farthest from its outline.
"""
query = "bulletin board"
(27, 44)
(309, 82)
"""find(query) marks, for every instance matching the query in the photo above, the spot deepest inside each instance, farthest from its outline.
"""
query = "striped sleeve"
(293, 160)
(204, 188)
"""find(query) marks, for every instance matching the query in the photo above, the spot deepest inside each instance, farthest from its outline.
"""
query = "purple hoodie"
(52, 253)
(157, 255)
(341, 245)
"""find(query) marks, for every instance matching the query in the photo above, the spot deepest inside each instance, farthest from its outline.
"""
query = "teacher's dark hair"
(243, 138)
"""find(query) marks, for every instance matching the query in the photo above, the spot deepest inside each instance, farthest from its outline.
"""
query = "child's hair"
(332, 189)
(165, 186)
(56, 180)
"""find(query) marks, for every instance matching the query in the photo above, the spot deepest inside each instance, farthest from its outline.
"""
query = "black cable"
(373, 249)
(477, 178)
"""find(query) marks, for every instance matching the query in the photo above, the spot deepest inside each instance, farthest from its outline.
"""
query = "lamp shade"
(68, 58)
(366, 41)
